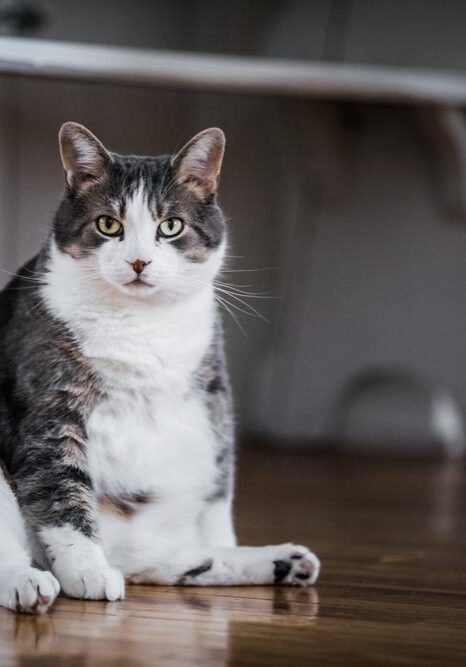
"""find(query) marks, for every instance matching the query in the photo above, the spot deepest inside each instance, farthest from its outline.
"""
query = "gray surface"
(381, 283)
(418, 33)
(256, 76)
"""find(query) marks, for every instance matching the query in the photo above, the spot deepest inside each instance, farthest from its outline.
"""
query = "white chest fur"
(151, 433)
(151, 444)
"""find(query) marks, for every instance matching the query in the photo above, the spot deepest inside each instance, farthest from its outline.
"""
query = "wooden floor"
(392, 538)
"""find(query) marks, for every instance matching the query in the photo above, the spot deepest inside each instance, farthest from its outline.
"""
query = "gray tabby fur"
(47, 387)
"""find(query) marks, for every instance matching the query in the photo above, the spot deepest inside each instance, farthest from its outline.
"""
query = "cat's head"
(143, 225)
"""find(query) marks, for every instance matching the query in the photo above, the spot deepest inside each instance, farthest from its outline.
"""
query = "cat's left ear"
(84, 157)
(199, 162)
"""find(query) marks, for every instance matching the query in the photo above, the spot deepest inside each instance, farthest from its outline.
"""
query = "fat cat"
(116, 427)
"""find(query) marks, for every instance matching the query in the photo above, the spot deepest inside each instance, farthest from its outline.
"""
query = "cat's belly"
(152, 462)
(152, 446)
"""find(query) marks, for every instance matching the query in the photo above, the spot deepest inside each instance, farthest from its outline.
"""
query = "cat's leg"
(56, 495)
(80, 565)
(286, 564)
(155, 547)
(23, 588)
(216, 523)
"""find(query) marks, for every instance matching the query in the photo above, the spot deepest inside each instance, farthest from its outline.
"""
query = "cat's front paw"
(29, 591)
(296, 566)
(93, 583)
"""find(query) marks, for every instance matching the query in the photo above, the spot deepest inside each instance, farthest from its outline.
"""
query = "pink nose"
(138, 265)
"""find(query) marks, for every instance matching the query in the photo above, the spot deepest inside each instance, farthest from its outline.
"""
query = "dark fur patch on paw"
(196, 571)
(281, 570)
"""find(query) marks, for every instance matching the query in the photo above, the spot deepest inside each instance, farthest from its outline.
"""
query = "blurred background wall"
(335, 208)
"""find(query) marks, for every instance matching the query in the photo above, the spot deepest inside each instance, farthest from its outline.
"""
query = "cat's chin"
(138, 287)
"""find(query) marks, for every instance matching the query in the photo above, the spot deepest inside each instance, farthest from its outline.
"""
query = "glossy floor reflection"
(392, 539)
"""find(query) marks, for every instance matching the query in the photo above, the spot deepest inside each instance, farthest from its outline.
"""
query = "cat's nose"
(138, 265)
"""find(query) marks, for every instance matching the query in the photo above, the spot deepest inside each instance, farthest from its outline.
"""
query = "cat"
(116, 426)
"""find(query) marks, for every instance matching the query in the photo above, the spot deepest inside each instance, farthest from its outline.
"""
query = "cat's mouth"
(138, 282)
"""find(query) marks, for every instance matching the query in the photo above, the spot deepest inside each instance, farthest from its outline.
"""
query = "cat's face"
(144, 226)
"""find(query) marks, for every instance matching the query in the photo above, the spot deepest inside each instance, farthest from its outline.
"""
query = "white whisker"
(226, 307)
(22, 277)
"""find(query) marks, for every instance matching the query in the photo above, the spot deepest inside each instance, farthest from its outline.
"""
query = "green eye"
(108, 226)
(171, 227)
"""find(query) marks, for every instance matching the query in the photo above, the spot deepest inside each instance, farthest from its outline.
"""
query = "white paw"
(295, 565)
(29, 591)
(96, 583)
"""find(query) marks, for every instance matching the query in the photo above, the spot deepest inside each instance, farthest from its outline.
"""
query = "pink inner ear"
(86, 157)
(200, 162)
(82, 154)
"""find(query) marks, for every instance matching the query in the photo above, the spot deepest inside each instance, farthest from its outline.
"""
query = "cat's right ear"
(84, 157)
